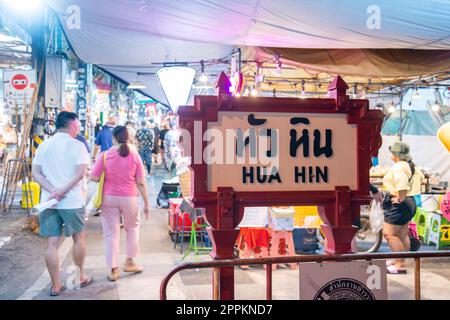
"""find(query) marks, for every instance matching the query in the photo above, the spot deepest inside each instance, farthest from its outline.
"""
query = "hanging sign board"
(18, 89)
(259, 151)
(356, 280)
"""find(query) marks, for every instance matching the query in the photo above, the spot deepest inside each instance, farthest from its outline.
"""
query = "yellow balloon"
(443, 135)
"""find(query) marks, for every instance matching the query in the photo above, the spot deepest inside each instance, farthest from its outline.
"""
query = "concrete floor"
(23, 275)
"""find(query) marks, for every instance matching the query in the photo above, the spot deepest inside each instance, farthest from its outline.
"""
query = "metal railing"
(216, 264)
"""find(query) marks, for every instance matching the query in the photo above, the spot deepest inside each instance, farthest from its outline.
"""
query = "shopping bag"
(99, 194)
(376, 217)
(445, 206)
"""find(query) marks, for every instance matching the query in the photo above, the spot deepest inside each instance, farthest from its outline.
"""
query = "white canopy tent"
(127, 37)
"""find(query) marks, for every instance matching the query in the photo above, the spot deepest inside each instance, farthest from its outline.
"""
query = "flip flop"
(86, 282)
(56, 293)
(392, 269)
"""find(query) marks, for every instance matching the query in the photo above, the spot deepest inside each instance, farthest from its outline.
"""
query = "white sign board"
(55, 75)
(18, 89)
(255, 217)
(356, 280)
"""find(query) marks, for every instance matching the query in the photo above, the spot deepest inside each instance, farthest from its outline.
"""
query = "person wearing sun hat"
(402, 182)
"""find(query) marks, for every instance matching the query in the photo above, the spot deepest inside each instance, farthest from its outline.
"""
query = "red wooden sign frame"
(338, 209)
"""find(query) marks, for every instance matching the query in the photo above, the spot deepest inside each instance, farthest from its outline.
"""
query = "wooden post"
(216, 279)
(417, 278)
(223, 236)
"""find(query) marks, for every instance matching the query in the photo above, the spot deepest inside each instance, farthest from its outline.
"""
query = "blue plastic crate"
(305, 240)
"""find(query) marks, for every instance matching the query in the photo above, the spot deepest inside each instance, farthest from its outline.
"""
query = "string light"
(254, 92)
(364, 92)
(303, 93)
(435, 107)
(391, 108)
(279, 69)
(203, 76)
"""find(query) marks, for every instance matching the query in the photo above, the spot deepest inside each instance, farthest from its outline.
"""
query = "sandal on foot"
(87, 282)
(134, 268)
(392, 269)
(114, 276)
(56, 293)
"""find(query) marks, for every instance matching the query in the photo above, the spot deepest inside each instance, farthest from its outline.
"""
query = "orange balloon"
(443, 135)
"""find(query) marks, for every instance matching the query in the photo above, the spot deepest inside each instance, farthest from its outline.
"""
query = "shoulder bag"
(99, 195)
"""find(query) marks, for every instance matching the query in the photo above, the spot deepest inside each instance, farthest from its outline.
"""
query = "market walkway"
(23, 276)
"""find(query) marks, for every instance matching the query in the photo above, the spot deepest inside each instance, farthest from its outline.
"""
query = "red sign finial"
(338, 84)
(338, 90)
(224, 84)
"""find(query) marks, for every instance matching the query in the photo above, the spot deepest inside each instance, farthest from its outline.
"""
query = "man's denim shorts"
(51, 222)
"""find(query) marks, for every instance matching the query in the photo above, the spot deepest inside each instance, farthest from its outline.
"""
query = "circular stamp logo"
(344, 289)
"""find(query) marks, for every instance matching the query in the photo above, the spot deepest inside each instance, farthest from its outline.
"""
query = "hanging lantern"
(176, 82)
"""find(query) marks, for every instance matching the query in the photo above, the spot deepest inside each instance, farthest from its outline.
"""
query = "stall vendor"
(402, 182)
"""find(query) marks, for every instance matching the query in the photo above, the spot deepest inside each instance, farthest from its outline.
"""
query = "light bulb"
(363, 93)
(303, 94)
(279, 69)
(435, 107)
(254, 92)
(391, 109)
(355, 91)
(203, 78)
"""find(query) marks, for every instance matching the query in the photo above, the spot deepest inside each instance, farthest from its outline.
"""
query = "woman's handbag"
(99, 195)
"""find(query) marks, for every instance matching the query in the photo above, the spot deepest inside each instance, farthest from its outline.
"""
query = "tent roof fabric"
(418, 123)
(374, 63)
(267, 23)
(127, 36)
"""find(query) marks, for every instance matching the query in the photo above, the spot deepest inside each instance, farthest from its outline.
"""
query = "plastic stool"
(193, 241)
(282, 244)
(257, 250)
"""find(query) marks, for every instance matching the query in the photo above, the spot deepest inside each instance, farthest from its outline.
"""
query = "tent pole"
(400, 134)
(240, 59)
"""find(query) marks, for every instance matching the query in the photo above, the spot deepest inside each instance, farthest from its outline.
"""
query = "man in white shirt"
(59, 167)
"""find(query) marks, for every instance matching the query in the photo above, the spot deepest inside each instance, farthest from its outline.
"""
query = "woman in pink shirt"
(124, 179)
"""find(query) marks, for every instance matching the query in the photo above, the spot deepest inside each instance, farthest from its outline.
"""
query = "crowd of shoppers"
(61, 166)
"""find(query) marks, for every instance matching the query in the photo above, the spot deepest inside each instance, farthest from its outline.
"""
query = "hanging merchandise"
(101, 101)
(81, 95)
